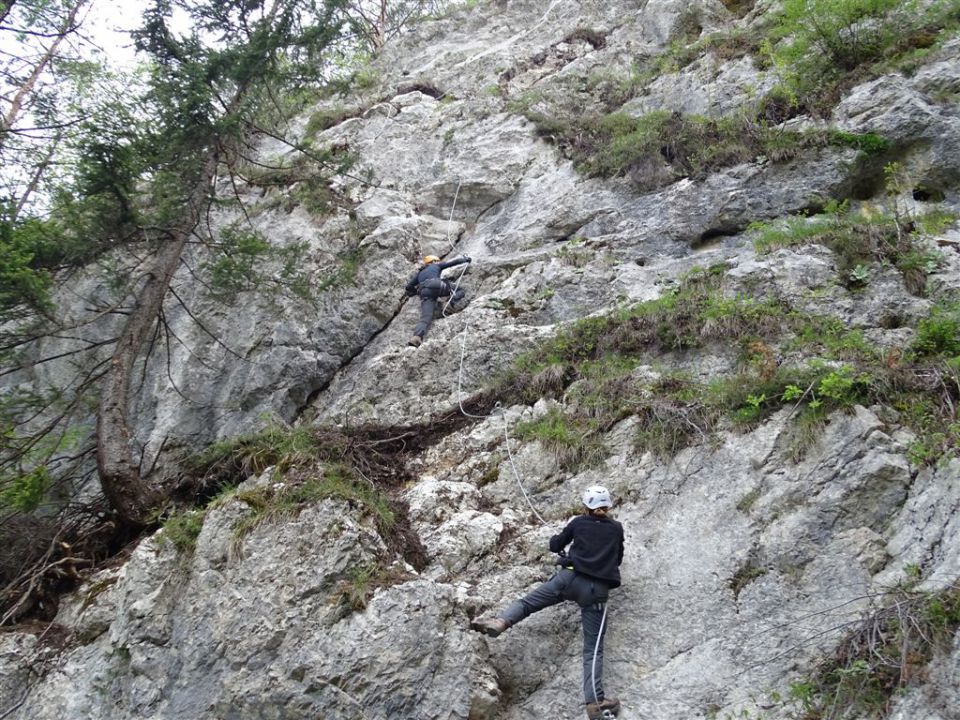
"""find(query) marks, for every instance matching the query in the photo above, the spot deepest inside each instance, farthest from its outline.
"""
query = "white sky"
(109, 23)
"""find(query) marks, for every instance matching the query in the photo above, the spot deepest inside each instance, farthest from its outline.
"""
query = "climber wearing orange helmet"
(430, 286)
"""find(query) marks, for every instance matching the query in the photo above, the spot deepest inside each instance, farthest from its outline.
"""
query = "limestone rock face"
(254, 622)
(745, 562)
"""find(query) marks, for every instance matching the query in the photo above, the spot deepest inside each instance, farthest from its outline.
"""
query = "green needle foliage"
(23, 284)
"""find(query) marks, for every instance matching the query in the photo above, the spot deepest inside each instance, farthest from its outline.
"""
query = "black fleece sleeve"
(454, 262)
(411, 288)
(560, 541)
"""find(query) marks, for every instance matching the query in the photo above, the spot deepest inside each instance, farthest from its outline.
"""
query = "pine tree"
(204, 91)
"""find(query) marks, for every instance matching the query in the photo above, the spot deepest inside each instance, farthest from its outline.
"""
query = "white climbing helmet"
(597, 496)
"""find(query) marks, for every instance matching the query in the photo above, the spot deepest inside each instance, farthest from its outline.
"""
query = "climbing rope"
(453, 206)
(607, 714)
(463, 347)
(516, 473)
(453, 293)
(503, 415)
(593, 665)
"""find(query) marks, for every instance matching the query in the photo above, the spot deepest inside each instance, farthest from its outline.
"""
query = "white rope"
(593, 667)
(453, 293)
(463, 346)
(503, 414)
(506, 441)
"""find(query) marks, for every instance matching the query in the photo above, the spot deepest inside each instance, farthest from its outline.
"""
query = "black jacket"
(431, 272)
(597, 548)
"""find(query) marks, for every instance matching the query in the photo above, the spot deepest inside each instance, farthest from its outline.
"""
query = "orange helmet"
(427, 259)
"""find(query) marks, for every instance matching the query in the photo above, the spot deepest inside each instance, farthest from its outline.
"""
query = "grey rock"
(740, 563)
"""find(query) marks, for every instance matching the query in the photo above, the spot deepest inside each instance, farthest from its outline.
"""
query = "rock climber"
(430, 286)
(586, 574)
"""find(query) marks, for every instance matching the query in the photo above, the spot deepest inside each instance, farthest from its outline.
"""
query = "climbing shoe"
(415, 341)
(610, 705)
(490, 626)
(603, 710)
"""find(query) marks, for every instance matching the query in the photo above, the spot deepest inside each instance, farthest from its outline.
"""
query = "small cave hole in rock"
(928, 194)
(713, 236)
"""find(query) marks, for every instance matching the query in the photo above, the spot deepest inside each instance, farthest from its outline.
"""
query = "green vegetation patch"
(600, 368)
(182, 530)
(883, 654)
(726, 45)
(817, 48)
(573, 438)
(822, 47)
(938, 334)
(327, 118)
(276, 501)
(310, 465)
(354, 592)
(858, 239)
(662, 146)
(744, 576)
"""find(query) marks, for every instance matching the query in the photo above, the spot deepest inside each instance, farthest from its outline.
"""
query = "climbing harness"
(453, 293)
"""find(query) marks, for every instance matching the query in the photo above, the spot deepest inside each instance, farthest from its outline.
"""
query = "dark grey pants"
(428, 304)
(591, 596)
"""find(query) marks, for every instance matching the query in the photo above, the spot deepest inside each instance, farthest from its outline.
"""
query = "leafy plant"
(182, 530)
(819, 46)
(883, 654)
(939, 332)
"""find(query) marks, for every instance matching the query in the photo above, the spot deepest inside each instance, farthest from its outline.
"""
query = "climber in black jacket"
(430, 286)
(587, 573)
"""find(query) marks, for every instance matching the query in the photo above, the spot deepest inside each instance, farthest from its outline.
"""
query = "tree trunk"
(124, 487)
(39, 169)
(13, 112)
